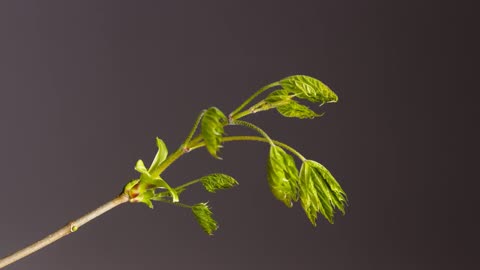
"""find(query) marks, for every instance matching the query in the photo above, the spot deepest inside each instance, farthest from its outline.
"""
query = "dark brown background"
(85, 86)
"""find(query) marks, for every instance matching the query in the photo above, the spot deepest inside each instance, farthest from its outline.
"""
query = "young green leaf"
(217, 181)
(128, 187)
(283, 101)
(282, 175)
(294, 109)
(145, 198)
(280, 95)
(148, 182)
(203, 214)
(140, 167)
(306, 87)
(313, 201)
(161, 154)
(160, 183)
(212, 125)
(339, 197)
(319, 195)
(160, 196)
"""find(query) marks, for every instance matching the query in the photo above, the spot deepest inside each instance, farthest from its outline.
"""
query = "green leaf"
(282, 175)
(320, 192)
(217, 181)
(283, 101)
(212, 125)
(130, 185)
(306, 87)
(160, 183)
(338, 196)
(140, 167)
(147, 183)
(145, 198)
(203, 214)
(294, 109)
(279, 96)
(161, 195)
(160, 156)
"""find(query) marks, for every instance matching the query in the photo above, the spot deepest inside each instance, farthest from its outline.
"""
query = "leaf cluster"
(294, 89)
(313, 185)
(144, 188)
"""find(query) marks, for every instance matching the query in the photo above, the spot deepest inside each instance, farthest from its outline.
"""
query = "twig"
(64, 231)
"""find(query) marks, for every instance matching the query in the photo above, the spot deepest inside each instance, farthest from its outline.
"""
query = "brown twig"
(64, 231)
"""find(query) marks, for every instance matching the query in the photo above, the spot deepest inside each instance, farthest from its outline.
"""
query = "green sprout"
(313, 185)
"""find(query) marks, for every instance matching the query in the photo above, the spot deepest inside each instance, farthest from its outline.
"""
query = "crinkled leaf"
(309, 198)
(306, 87)
(319, 195)
(212, 129)
(338, 196)
(279, 96)
(216, 181)
(161, 154)
(294, 109)
(203, 214)
(282, 175)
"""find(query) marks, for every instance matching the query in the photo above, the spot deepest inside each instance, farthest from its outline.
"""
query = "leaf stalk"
(245, 103)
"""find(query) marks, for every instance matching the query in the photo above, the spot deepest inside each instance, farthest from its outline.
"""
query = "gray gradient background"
(86, 86)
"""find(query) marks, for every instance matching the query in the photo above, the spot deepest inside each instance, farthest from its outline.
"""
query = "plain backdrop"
(86, 86)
